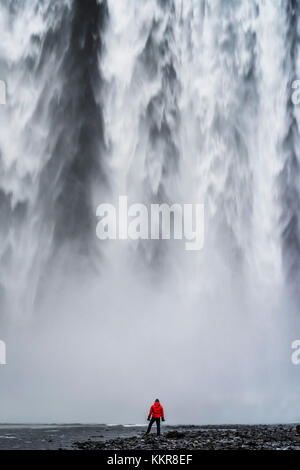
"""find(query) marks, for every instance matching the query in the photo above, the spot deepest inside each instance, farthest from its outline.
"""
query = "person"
(155, 414)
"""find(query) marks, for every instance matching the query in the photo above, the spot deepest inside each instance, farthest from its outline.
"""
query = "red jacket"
(156, 410)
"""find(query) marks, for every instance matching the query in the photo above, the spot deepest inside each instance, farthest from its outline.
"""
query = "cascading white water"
(164, 101)
(24, 148)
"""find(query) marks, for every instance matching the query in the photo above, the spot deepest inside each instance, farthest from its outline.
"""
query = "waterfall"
(165, 101)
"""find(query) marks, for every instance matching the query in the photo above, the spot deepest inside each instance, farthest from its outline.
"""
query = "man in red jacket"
(156, 412)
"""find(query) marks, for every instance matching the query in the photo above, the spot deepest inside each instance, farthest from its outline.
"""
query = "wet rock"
(175, 435)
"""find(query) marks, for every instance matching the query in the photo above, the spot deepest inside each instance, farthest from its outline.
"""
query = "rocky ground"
(131, 437)
(260, 437)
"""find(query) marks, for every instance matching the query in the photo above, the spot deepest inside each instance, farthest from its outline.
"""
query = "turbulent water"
(163, 101)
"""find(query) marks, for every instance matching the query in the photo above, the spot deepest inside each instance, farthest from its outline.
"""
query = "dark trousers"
(157, 425)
